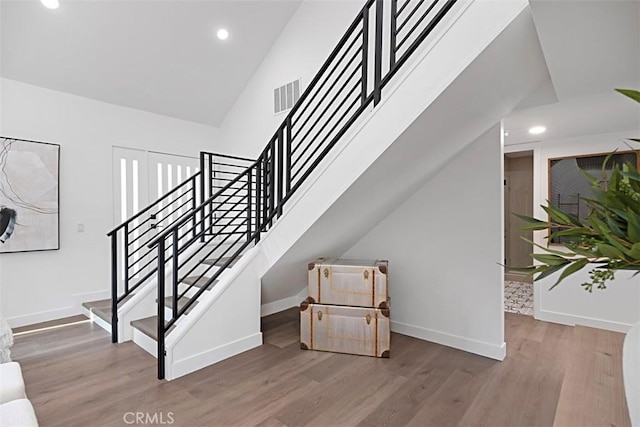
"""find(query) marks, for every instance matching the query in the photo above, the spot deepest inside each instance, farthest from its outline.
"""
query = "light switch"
(80, 227)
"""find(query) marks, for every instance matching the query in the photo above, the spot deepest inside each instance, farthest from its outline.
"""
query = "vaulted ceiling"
(159, 56)
(163, 56)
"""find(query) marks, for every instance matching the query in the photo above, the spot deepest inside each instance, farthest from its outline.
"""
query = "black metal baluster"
(193, 207)
(114, 287)
(279, 178)
(272, 181)
(160, 329)
(365, 53)
(377, 88)
(288, 146)
(249, 205)
(394, 33)
(174, 276)
(265, 187)
(203, 178)
(258, 198)
(126, 259)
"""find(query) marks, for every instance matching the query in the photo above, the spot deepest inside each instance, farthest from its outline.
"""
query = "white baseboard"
(44, 316)
(283, 304)
(572, 320)
(73, 309)
(214, 355)
(492, 351)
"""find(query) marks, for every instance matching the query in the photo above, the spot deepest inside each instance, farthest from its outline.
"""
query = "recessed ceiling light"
(537, 130)
(50, 4)
(222, 34)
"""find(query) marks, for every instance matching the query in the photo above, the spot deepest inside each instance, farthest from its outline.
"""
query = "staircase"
(204, 248)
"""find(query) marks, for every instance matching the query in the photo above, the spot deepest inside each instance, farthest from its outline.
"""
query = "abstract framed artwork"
(29, 196)
(568, 185)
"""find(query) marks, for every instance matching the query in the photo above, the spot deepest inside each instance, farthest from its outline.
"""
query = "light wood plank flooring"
(553, 375)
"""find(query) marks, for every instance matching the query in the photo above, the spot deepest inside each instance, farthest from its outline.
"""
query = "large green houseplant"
(609, 240)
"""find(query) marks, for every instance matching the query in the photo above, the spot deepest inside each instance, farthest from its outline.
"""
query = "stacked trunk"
(347, 310)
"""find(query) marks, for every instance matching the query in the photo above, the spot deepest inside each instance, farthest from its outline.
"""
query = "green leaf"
(532, 223)
(551, 251)
(615, 228)
(550, 270)
(633, 94)
(633, 227)
(610, 251)
(574, 267)
(634, 175)
(557, 215)
(595, 182)
(635, 251)
(605, 233)
(549, 259)
(578, 231)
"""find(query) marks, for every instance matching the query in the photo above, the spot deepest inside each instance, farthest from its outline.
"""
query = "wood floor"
(553, 375)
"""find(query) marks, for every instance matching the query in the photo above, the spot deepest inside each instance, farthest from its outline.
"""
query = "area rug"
(518, 297)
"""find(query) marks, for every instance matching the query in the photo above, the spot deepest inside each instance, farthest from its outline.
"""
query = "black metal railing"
(239, 209)
(133, 262)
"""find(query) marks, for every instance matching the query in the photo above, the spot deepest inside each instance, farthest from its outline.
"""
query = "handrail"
(227, 156)
(234, 212)
(171, 229)
(155, 203)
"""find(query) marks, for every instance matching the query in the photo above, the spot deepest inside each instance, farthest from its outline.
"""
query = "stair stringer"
(225, 322)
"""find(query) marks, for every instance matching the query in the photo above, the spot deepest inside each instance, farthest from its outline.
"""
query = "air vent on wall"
(285, 97)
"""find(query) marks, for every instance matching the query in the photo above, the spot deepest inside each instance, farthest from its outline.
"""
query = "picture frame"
(29, 195)
(568, 184)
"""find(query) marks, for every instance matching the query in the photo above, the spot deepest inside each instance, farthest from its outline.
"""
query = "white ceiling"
(158, 56)
(163, 57)
(591, 47)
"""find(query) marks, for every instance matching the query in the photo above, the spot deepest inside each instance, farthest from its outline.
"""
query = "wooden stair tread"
(103, 303)
(198, 281)
(148, 326)
(168, 302)
(220, 262)
(102, 308)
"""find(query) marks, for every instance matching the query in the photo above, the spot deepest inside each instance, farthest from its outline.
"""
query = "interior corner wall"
(298, 53)
(617, 307)
(444, 245)
(40, 286)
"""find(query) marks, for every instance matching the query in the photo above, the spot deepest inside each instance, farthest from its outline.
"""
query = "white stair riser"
(147, 343)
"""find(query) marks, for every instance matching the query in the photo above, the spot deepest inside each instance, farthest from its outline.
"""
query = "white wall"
(616, 308)
(444, 245)
(299, 52)
(39, 286)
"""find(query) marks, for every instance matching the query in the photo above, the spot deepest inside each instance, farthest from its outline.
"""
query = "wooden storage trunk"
(342, 329)
(361, 283)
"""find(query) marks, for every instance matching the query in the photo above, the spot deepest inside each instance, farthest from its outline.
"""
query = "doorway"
(518, 199)
(139, 178)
